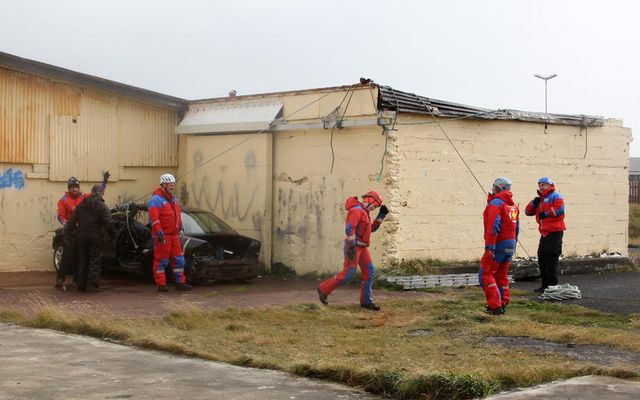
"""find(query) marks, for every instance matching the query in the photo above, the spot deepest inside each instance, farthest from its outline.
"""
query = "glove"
(351, 252)
(181, 234)
(543, 215)
(105, 176)
(383, 211)
(160, 236)
(536, 201)
(487, 258)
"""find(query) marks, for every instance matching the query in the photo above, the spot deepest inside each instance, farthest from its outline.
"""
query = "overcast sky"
(477, 52)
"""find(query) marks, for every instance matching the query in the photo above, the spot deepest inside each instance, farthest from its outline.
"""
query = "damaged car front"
(215, 251)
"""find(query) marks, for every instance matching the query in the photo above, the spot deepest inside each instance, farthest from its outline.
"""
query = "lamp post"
(545, 79)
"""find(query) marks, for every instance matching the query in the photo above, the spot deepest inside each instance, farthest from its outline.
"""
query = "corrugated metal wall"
(25, 106)
(80, 131)
(147, 135)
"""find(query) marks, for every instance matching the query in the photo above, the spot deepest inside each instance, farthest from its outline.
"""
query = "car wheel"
(57, 256)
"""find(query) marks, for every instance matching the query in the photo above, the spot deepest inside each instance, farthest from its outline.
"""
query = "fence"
(634, 189)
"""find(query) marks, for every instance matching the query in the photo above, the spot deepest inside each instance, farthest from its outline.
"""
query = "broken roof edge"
(277, 94)
(25, 65)
(405, 102)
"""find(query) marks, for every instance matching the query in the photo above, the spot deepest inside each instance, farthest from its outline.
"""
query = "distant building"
(634, 179)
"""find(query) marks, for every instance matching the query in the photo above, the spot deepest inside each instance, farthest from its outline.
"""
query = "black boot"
(183, 286)
(322, 297)
(371, 306)
(494, 311)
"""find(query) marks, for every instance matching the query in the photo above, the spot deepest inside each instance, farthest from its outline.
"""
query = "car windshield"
(202, 222)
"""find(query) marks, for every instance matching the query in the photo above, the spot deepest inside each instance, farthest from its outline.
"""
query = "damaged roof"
(405, 102)
(389, 98)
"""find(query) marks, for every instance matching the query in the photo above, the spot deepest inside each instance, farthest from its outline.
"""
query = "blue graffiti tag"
(11, 178)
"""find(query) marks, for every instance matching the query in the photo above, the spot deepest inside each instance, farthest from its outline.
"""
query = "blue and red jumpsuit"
(166, 222)
(358, 230)
(501, 227)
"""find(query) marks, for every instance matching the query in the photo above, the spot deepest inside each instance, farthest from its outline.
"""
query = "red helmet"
(372, 197)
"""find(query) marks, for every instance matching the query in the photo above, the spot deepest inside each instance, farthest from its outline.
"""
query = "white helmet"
(167, 178)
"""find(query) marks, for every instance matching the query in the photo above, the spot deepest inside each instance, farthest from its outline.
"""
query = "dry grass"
(431, 348)
(634, 223)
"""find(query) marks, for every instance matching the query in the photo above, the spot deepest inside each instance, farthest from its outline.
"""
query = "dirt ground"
(125, 295)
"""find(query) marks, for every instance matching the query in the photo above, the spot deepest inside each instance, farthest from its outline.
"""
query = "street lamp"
(545, 79)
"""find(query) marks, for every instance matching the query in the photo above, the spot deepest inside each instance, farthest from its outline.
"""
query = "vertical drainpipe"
(273, 196)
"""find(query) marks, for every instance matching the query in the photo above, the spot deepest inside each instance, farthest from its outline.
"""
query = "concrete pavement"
(584, 388)
(44, 364)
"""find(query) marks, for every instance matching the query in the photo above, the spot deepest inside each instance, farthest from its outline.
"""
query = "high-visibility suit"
(548, 209)
(501, 227)
(166, 222)
(356, 250)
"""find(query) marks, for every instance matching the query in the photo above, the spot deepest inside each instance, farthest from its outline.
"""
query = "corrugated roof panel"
(242, 116)
(400, 101)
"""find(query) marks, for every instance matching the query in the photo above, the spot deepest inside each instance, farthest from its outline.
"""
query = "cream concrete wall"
(235, 186)
(309, 198)
(442, 204)
(28, 211)
(316, 104)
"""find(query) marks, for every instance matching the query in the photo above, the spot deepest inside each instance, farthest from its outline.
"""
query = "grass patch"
(634, 223)
(428, 348)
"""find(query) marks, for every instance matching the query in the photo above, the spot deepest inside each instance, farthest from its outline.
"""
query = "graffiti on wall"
(302, 208)
(12, 179)
(233, 200)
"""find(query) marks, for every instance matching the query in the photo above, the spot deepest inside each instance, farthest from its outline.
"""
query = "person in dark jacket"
(88, 220)
(548, 209)
(66, 205)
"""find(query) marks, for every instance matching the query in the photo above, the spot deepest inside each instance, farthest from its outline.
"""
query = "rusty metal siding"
(37, 126)
(24, 126)
(146, 135)
(85, 146)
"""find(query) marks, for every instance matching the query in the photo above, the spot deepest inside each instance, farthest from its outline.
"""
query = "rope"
(333, 155)
(561, 292)
(135, 245)
(430, 110)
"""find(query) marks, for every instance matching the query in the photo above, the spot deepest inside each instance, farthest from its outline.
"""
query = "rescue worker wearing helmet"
(356, 248)
(548, 209)
(66, 205)
(501, 227)
(89, 219)
(166, 223)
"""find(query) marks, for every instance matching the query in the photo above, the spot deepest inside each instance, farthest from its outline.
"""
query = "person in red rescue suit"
(356, 248)
(166, 223)
(501, 228)
(66, 205)
(548, 209)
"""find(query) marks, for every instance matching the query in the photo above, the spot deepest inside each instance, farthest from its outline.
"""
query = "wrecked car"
(212, 249)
